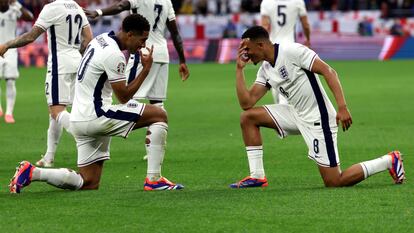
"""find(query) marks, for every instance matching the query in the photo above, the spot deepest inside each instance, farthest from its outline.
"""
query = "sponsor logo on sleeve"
(120, 68)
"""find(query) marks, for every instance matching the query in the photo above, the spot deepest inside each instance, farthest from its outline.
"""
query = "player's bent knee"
(246, 117)
(163, 115)
(157, 114)
(160, 115)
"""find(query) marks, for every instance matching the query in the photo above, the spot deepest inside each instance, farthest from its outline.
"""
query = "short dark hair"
(256, 32)
(136, 23)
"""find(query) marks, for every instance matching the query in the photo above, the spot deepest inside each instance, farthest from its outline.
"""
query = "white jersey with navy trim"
(291, 76)
(283, 15)
(102, 64)
(158, 13)
(63, 20)
(8, 22)
(8, 25)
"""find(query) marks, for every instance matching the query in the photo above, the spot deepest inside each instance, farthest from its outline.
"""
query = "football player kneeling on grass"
(94, 119)
(291, 69)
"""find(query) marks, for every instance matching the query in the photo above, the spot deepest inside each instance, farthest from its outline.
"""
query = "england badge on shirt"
(283, 72)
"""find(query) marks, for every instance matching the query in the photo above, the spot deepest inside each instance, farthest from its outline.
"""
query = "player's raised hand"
(90, 14)
(183, 70)
(3, 50)
(344, 116)
(242, 57)
(146, 59)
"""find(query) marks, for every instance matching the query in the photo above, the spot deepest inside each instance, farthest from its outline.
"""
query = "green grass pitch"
(205, 152)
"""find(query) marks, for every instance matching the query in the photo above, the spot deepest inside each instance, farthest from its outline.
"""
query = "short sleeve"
(266, 8)
(115, 67)
(85, 21)
(46, 18)
(300, 55)
(302, 8)
(261, 78)
(171, 12)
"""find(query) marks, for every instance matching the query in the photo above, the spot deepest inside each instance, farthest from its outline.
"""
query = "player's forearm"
(116, 8)
(21, 41)
(87, 36)
(306, 27)
(177, 40)
(83, 46)
(178, 44)
(26, 38)
(242, 92)
(133, 86)
(306, 31)
(334, 84)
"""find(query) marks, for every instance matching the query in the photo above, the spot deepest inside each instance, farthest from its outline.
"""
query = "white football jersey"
(8, 22)
(157, 12)
(63, 20)
(283, 15)
(102, 64)
(291, 76)
(8, 25)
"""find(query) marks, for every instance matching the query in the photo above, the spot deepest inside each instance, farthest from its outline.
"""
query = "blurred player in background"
(160, 15)
(10, 12)
(68, 33)
(293, 68)
(94, 119)
(279, 18)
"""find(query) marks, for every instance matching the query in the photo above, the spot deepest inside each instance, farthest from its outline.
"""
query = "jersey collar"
(112, 35)
(276, 46)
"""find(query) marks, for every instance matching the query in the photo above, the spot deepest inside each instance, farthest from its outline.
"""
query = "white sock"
(161, 105)
(63, 119)
(255, 157)
(374, 166)
(156, 149)
(11, 95)
(61, 178)
(53, 136)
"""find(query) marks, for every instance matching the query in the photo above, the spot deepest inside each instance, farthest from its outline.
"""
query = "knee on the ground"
(90, 184)
(332, 183)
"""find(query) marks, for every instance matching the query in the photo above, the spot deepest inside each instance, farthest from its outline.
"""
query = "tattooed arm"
(22, 40)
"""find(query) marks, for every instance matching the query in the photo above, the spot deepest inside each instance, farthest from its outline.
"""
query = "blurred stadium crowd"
(390, 8)
(204, 22)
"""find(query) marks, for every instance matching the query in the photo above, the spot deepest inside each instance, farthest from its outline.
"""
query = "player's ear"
(130, 34)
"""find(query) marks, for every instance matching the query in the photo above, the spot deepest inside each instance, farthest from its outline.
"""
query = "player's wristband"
(99, 11)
